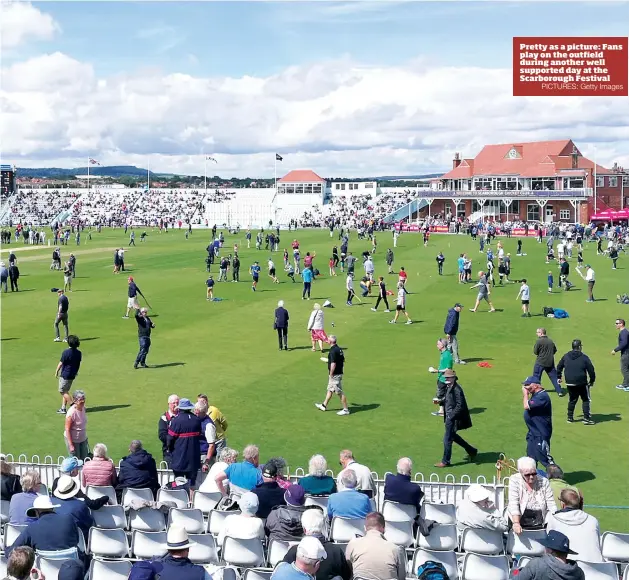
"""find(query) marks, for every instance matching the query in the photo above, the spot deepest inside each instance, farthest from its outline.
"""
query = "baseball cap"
(295, 495)
(531, 381)
(458, 305)
(69, 464)
(270, 470)
(311, 548)
(557, 541)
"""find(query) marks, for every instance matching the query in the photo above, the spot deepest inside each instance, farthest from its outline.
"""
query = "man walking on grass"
(401, 305)
(145, 325)
(68, 366)
(623, 349)
(580, 376)
(483, 292)
(132, 296)
(538, 416)
(63, 305)
(545, 350)
(451, 328)
(525, 294)
(336, 364)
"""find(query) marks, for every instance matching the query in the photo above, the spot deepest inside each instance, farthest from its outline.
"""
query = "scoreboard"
(7, 181)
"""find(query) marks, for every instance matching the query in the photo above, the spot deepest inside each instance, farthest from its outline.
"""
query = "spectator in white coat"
(478, 511)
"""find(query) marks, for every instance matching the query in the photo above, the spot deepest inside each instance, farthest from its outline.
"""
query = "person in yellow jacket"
(219, 421)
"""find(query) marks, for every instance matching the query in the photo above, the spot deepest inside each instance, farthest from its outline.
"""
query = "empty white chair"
(146, 545)
(241, 553)
(96, 491)
(11, 533)
(400, 533)
(141, 494)
(203, 549)
(4, 511)
(49, 567)
(398, 512)
(277, 550)
(108, 543)
(191, 519)
(599, 570)
(615, 547)
(526, 543)
(319, 500)
(110, 517)
(177, 496)
(485, 567)
(257, 574)
(109, 570)
(215, 520)
(346, 529)
(442, 537)
(205, 501)
(448, 559)
(443, 513)
(147, 520)
(488, 542)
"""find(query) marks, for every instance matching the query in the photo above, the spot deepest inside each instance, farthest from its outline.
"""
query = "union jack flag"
(93, 161)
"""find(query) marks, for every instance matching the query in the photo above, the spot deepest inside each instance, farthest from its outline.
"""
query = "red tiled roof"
(301, 176)
(538, 159)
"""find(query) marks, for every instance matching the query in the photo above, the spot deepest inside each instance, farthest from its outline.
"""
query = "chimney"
(615, 167)
(456, 161)
(575, 158)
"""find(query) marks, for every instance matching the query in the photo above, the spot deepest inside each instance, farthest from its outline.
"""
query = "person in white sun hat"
(477, 510)
(310, 554)
(175, 565)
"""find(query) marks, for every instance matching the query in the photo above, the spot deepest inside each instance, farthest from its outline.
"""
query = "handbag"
(532, 519)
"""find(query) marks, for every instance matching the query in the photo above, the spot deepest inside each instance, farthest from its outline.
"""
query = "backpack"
(559, 313)
(432, 571)
(548, 310)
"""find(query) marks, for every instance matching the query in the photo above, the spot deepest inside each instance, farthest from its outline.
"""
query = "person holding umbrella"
(145, 325)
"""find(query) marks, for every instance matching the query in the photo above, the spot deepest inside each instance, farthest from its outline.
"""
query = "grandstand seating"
(39, 207)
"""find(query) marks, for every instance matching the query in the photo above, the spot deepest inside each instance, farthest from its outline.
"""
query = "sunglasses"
(529, 474)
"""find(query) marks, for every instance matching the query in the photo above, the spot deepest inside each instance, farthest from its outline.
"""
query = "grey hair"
(316, 306)
(251, 452)
(228, 453)
(348, 479)
(173, 398)
(526, 463)
(78, 394)
(443, 341)
(280, 304)
(332, 338)
(30, 480)
(201, 406)
(136, 445)
(100, 450)
(313, 522)
(317, 465)
(405, 466)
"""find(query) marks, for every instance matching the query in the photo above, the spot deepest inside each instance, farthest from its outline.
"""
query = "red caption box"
(570, 66)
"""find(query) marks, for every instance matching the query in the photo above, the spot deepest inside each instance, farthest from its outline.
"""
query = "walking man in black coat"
(14, 275)
(145, 325)
(456, 418)
(281, 325)
(580, 376)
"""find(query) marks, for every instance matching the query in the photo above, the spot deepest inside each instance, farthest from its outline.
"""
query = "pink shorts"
(319, 335)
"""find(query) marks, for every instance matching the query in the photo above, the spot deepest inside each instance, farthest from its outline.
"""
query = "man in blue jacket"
(451, 328)
(399, 487)
(281, 324)
(184, 442)
(66, 492)
(538, 416)
(137, 470)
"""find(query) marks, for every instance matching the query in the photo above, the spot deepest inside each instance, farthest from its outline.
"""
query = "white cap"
(476, 493)
(311, 548)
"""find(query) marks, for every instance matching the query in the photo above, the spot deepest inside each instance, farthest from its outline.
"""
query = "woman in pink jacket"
(100, 470)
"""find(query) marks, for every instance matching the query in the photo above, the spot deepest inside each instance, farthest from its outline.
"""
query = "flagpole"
(205, 171)
(88, 173)
(148, 174)
(276, 174)
(595, 203)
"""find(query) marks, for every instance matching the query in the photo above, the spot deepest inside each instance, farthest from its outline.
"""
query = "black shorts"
(255, 278)
(525, 301)
(399, 308)
(272, 272)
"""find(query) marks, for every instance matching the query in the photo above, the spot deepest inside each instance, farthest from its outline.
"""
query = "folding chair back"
(442, 537)
(147, 545)
(191, 519)
(237, 552)
(346, 529)
(485, 567)
(398, 512)
(110, 517)
(147, 520)
(97, 491)
(179, 497)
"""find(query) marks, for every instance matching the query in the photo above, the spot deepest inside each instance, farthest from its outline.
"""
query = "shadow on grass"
(105, 408)
(358, 408)
(579, 477)
(600, 300)
(606, 418)
(90, 338)
(483, 457)
(301, 348)
(477, 410)
(477, 359)
(172, 364)
(26, 289)
(80, 290)
(10, 338)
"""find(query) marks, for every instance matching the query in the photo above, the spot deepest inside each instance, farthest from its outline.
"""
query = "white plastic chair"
(599, 570)
(625, 574)
(11, 533)
(242, 553)
(486, 542)
(97, 491)
(398, 512)
(442, 513)
(110, 517)
(3, 567)
(526, 543)
(277, 550)
(141, 494)
(146, 545)
(49, 567)
(216, 519)
(615, 547)
(203, 549)
(205, 501)
(318, 500)
(147, 520)
(485, 567)
(346, 529)
(257, 574)
(4, 511)
(179, 497)
(400, 533)
(108, 543)
(441, 538)
(448, 559)
(109, 570)
(191, 519)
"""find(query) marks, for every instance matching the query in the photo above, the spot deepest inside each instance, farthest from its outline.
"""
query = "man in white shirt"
(560, 250)
(366, 484)
(369, 268)
(590, 278)
(349, 285)
(525, 294)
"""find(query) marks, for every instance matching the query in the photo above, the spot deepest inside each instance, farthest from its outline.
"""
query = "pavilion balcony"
(582, 193)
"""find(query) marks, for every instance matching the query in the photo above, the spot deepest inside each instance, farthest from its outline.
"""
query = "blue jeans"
(145, 345)
(539, 450)
(550, 371)
(451, 436)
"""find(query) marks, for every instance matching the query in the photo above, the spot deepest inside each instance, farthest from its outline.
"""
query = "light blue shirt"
(307, 275)
(244, 475)
(286, 571)
(348, 503)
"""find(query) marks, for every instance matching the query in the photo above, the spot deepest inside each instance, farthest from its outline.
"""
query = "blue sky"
(262, 38)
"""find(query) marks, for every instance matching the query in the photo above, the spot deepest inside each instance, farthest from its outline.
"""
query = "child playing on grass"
(550, 282)
(525, 294)
(210, 288)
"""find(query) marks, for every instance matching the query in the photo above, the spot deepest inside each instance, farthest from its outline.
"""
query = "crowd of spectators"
(105, 207)
(39, 207)
(169, 206)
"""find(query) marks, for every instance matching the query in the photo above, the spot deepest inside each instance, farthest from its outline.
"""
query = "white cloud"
(21, 22)
(338, 118)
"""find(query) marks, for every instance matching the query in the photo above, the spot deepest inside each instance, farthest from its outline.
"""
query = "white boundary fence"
(436, 489)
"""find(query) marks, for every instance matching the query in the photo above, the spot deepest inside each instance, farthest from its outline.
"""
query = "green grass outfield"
(230, 352)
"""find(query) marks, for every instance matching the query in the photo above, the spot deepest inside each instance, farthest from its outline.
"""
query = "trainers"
(343, 412)
(461, 362)
(588, 422)
(561, 394)
(321, 407)
(387, 310)
(621, 387)
(57, 340)
(65, 340)
(437, 414)
(61, 411)
(374, 310)
(569, 420)
(125, 317)
(409, 322)
(391, 321)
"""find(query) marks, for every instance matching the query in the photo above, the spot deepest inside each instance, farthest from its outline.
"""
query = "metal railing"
(581, 193)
